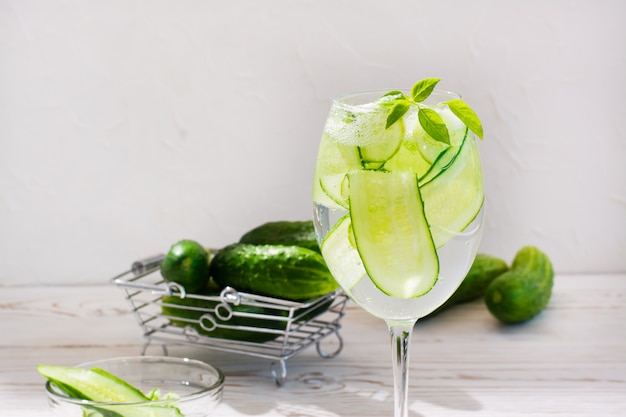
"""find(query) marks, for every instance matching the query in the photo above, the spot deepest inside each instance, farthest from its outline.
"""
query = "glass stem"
(400, 339)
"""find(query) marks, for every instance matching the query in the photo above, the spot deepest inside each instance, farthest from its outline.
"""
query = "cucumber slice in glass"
(334, 160)
(391, 232)
(334, 187)
(341, 256)
(443, 161)
(454, 197)
(408, 158)
(383, 143)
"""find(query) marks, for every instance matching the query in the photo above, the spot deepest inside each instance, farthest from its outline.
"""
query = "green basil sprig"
(399, 103)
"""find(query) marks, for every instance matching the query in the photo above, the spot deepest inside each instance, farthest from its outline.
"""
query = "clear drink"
(456, 257)
(398, 205)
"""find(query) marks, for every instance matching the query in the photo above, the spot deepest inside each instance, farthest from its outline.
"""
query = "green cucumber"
(98, 385)
(187, 264)
(198, 313)
(298, 233)
(280, 271)
(524, 291)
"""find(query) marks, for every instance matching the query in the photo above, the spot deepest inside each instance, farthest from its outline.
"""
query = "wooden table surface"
(568, 361)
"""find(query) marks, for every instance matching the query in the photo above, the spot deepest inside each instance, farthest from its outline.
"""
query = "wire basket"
(267, 327)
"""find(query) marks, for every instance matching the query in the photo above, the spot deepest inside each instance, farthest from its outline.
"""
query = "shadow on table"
(325, 394)
(326, 388)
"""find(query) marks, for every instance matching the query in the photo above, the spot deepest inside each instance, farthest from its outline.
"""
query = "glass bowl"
(198, 386)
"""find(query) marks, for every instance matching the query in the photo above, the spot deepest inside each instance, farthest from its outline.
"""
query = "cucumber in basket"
(297, 233)
(248, 323)
(282, 271)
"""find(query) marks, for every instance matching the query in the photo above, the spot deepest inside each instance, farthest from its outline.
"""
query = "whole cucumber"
(299, 233)
(190, 311)
(525, 290)
(281, 271)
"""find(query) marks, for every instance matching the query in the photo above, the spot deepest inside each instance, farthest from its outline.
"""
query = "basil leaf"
(396, 112)
(399, 103)
(422, 89)
(433, 124)
(466, 115)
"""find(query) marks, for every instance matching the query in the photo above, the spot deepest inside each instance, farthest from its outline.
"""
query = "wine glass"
(398, 206)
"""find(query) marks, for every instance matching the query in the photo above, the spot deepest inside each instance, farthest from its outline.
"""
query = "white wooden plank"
(569, 361)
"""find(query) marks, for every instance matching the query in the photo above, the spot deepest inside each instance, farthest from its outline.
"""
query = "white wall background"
(128, 125)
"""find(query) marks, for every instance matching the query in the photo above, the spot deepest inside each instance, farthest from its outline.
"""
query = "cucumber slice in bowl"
(391, 232)
(106, 394)
(94, 384)
(134, 386)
